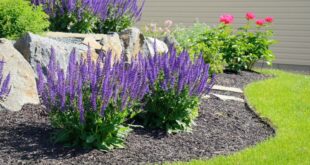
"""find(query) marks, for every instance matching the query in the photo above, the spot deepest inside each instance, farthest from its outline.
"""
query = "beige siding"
(292, 20)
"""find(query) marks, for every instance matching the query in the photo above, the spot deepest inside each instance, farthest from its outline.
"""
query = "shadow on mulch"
(31, 140)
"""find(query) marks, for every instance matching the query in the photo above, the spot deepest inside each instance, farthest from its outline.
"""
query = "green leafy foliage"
(222, 46)
(202, 39)
(114, 24)
(18, 17)
(170, 111)
(70, 22)
(104, 133)
(247, 46)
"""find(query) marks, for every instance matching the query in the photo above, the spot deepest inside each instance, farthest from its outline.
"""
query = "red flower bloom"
(260, 22)
(250, 16)
(269, 19)
(227, 19)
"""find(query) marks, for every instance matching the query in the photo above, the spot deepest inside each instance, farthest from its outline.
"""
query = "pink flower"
(260, 22)
(227, 19)
(250, 16)
(269, 19)
(168, 23)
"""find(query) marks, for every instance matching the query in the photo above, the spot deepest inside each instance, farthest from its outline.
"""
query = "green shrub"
(18, 17)
(243, 49)
(223, 46)
(205, 40)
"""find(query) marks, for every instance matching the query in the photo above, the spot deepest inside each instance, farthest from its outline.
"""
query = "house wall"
(291, 27)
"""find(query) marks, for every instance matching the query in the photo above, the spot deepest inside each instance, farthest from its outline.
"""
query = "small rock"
(149, 46)
(23, 84)
(205, 97)
(170, 40)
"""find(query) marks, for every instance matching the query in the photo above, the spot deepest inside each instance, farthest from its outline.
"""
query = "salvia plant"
(4, 82)
(176, 85)
(86, 16)
(90, 102)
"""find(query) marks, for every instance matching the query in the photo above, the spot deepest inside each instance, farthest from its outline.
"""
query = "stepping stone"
(230, 89)
(227, 98)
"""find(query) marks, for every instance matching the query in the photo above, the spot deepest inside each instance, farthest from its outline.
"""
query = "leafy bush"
(18, 17)
(249, 45)
(176, 84)
(91, 102)
(223, 46)
(5, 85)
(97, 16)
(205, 40)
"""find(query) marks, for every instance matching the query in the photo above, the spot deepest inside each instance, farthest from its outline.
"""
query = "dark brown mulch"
(222, 128)
(239, 80)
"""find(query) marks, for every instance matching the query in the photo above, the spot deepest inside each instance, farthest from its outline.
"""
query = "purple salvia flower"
(80, 101)
(40, 81)
(5, 89)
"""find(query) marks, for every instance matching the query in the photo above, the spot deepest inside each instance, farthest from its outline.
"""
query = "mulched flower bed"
(222, 128)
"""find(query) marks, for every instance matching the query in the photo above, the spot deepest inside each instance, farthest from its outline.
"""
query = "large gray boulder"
(37, 50)
(23, 84)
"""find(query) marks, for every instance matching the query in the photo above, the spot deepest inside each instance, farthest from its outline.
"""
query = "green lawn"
(285, 101)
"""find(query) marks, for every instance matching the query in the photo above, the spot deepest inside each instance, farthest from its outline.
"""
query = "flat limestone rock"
(23, 84)
(230, 89)
(73, 35)
(228, 98)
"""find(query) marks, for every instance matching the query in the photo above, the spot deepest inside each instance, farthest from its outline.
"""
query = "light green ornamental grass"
(285, 101)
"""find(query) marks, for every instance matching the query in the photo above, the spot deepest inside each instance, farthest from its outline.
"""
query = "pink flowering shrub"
(249, 44)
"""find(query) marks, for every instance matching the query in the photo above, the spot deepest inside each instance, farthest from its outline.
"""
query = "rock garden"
(80, 84)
